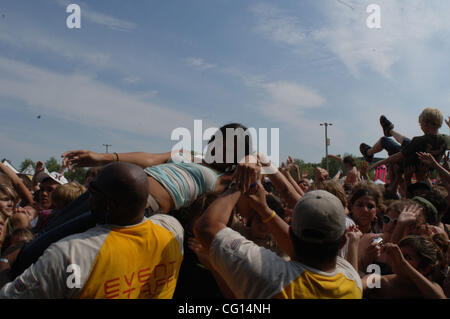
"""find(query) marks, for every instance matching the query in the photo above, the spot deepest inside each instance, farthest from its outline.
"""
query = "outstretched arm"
(285, 189)
(429, 289)
(429, 160)
(286, 172)
(216, 217)
(279, 181)
(364, 170)
(85, 158)
(298, 176)
(353, 236)
(406, 222)
(391, 159)
(276, 225)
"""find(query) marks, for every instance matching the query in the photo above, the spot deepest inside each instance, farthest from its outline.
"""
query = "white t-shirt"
(252, 271)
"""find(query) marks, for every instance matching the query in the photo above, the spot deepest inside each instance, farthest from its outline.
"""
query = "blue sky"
(137, 70)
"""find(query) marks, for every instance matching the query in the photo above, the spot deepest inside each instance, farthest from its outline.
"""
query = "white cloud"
(131, 79)
(277, 25)
(200, 63)
(37, 40)
(81, 99)
(405, 27)
(287, 103)
(101, 18)
(294, 95)
(283, 102)
(108, 21)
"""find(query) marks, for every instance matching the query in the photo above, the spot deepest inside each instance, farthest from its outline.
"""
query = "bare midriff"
(160, 194)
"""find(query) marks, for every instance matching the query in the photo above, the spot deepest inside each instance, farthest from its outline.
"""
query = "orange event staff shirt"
(138, 261)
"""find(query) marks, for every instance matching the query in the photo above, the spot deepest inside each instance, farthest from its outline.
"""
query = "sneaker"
(363, 148)
(386, 125)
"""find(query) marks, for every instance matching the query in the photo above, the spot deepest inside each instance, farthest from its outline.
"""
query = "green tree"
(79, 175)
(26, 162)
(333, 165)
(52, 165)
(305, 168)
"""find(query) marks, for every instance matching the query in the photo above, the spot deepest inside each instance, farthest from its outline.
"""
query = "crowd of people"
(149, 226)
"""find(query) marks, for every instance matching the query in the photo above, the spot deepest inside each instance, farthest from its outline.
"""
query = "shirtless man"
(353, 176)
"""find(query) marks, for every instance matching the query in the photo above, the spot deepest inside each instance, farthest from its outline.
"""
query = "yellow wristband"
(265, 221)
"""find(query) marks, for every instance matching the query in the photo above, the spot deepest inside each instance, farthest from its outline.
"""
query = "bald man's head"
(120, 191)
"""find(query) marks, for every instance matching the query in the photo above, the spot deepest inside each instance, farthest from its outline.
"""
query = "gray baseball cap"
(319, 217)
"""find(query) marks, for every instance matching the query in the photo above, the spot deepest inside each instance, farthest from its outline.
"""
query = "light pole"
(326, 140)
(107, 147)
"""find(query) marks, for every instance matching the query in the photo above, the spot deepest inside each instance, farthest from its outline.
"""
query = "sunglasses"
(387, 220)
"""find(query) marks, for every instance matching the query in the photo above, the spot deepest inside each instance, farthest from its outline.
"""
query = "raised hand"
(354, 234)
(426, 158)
(321, 174)
(247, 173)
(364, 167)
(200, 251)
(393, 255)
(368, 250)
(40, 167)
(448, 122)
(257, 198)
(446, 164)
(408, 217)
(290, 163)
(82, 158)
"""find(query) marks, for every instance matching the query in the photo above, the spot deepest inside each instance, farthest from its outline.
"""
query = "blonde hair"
(65, 194)
(432, 117)
(10, 192)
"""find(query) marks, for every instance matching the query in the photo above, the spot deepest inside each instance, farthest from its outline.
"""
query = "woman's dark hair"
(237, 148)
(367, 189)
(372, 190)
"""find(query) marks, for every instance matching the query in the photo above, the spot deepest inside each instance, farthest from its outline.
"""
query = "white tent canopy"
(10, 166)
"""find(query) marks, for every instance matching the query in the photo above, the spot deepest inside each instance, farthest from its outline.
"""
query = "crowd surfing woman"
(173, 183)
(176, 182)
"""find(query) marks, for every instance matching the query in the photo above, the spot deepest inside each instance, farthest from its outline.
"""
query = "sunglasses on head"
(387, 220)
